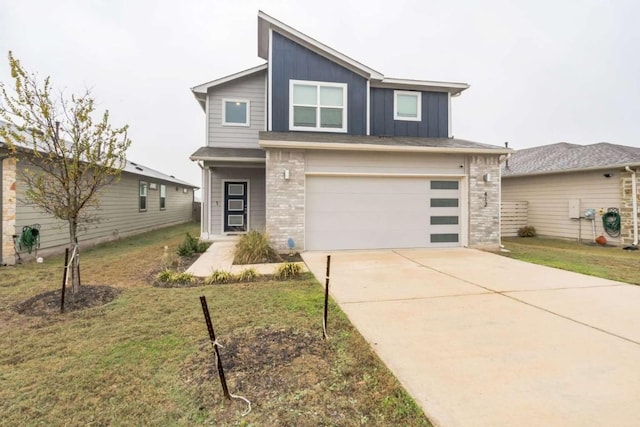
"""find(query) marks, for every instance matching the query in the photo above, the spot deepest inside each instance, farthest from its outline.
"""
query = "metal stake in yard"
(214, 343)
(326, 299)
(64, 278)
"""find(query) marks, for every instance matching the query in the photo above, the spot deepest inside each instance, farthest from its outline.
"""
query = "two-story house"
(324, 152)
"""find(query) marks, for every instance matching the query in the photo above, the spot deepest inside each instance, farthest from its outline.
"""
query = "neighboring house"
(324, 152)
(559, 182)
(142, 200)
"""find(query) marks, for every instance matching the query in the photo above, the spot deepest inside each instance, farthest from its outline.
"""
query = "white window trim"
(395, 105)
(345, 91)
(224, 119)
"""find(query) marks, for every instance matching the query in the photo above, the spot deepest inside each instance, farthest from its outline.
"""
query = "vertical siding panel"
(434, 121)
(291, 61)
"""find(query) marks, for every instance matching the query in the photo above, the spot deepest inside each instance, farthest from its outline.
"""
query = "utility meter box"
(574, 209)
(590, 213)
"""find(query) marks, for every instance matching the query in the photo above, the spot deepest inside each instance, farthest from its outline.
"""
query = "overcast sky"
(540, 71)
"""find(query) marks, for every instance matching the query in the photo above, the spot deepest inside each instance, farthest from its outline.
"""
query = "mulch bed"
(48, 303)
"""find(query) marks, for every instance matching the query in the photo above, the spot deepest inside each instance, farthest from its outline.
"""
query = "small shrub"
(247, 275)
(165, 276)
(191, 245)
(288, 270)
(184, 278)
(169, 276)
(218, 277)
(527, 231)
(254, 248)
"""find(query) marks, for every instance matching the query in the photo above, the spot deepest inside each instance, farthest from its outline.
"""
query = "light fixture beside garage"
(286, 174)
(486, 177)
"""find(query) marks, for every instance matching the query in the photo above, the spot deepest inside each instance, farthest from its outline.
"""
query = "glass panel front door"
(235, 206)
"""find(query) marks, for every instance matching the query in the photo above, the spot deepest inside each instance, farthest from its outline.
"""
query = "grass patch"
(144, 358)
(601, 261)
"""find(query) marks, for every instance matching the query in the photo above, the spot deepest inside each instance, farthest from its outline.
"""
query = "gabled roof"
(200, 91)
(323, 141)
(129, 167)
(565, 157)
(266, 23)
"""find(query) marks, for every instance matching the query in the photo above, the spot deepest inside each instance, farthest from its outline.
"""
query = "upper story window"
(235, 112)
(407, 105)
(143, 196)
(317, 106)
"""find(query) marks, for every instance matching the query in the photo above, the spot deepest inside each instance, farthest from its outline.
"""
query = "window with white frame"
(163, 197)
(143, 196)
(317, 106)
(407, 105)
(235, 112)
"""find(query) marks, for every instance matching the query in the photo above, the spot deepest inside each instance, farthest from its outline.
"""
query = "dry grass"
(601, 261)
(144, 358)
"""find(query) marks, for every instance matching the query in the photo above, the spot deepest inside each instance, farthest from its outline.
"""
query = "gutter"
(342, 146)
(634, 195)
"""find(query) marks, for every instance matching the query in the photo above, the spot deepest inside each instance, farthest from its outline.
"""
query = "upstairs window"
(407, 105)
(235, 112)
(317, 106)
(163, 197)
(143, 196)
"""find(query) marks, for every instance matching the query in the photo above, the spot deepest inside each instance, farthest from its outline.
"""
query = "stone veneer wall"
(484, 221)
(8, 209)
(285, 198)
(626, 207)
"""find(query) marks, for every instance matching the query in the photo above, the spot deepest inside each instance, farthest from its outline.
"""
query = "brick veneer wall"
(484, 211)
(8, 209)
(626, 207)
(285, 198)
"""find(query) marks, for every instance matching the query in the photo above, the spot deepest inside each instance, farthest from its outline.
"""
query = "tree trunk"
(75, 263)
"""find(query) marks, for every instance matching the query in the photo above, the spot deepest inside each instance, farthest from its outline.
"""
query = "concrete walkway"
(219, 256)
(483, 340)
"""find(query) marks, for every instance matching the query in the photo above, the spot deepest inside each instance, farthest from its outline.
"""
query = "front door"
(235, 206)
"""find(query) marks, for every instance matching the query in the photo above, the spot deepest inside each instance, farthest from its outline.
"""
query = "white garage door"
(381, 212)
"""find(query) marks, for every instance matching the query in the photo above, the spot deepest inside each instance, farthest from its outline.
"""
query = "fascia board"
(340, 146)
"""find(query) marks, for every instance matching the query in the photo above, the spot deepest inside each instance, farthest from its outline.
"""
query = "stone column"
(8, 209)
(484, 202)
(285, 198)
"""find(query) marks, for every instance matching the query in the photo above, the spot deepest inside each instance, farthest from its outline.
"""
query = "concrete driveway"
(483, 340)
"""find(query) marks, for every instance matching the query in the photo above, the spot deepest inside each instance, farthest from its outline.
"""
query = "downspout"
(501, 159)
(634, 196)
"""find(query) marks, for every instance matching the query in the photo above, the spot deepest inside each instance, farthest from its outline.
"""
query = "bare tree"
(71, 157)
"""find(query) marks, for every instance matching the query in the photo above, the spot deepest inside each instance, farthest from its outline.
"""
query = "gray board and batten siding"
(250, 88)
(434, 122)
(290, 61)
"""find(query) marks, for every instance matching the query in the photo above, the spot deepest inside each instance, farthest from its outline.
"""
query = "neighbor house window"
(163, 197)
(235, 112)
(143, 196)
(317, 106)
(407, 105)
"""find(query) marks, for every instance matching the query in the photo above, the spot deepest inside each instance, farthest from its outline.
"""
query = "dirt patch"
(259, 364)
(48, 303)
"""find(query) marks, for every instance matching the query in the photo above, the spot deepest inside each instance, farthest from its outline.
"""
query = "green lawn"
(602, 261)
(145, 358)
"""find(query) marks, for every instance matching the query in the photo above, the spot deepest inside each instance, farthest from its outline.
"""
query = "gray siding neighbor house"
(142, 200)
(323, 152)
(576, 192)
